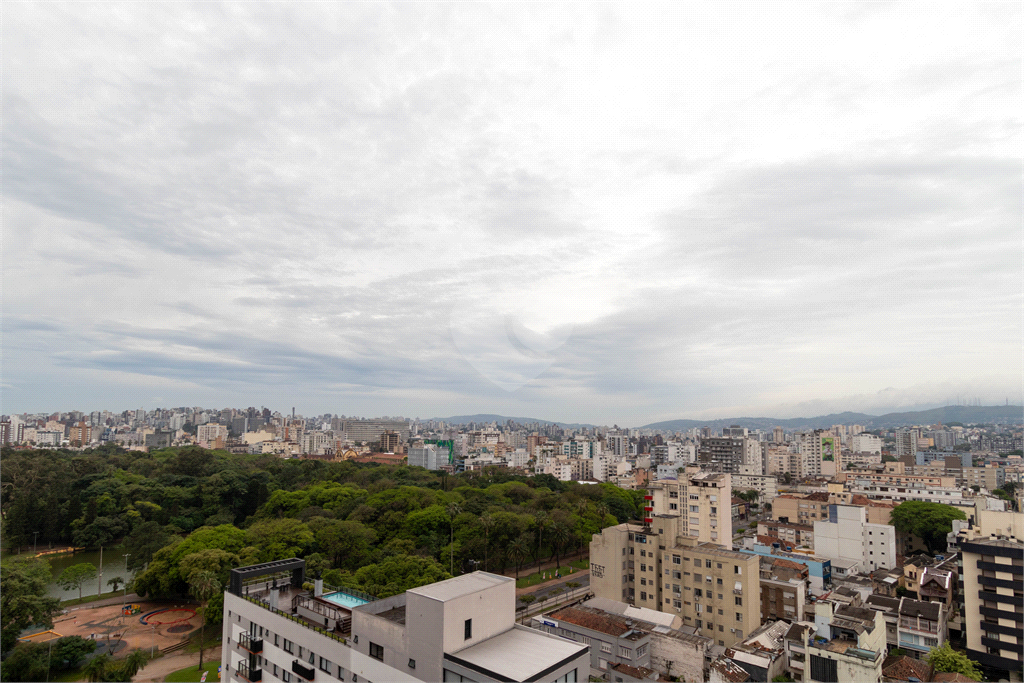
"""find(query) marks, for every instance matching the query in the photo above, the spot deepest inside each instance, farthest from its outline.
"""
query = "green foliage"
(946, 659)
(929, 521)
(74, 576)
(144, 540)
(23, 599)
(395, 575)
(26, 663)
(782, 678)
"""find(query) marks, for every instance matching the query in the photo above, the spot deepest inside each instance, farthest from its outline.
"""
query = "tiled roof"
(951, 677)
(730, 670)
(603, 623)
(781, 562)
(902, 668)
(916, 608)
(818, 497)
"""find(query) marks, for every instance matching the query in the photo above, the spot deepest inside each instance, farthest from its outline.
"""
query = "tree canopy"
(929, 521)
(23, 599)
(946, 659)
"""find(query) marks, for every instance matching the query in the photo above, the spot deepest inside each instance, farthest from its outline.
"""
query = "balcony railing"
(1003, 645)
(997, 597)
(248, 642)
(251, 675)
(292, 617)
(996, 567)
(999, 583)
(1001, 613)
(301, 669)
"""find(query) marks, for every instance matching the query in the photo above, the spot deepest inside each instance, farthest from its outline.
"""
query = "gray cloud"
(307, 203)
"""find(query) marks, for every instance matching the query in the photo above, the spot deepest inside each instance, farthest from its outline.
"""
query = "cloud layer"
(590, 213)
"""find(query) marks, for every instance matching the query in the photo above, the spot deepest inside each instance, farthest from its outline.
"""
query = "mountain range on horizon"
(1005, 414)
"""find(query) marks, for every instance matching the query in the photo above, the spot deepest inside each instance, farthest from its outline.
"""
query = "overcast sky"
(599, 213)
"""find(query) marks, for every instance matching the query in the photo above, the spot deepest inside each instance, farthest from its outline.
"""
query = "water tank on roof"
(940, 558)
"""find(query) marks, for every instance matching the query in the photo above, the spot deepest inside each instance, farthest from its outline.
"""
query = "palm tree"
(134, 662)
(203, 586)
(559, 536)
(540, 520)
(96, 669)
(517, 552)
(453, 511)
(486, 521)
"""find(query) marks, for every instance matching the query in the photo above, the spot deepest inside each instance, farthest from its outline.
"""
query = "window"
(719, 567)
(289, 647)
(606, 647)
(720, 613)
(641, 651)
(739, 633)
(643, 595)
(377, 651)
(643, 553)
(468, 629)
(694, 508)
(739, 616)
(721, 627)
(625, 652)
(677, 604)
(325, 665)
(824, 670)
(341, 672)
(719, 582)
(698, 577)
(707, 564)
(739, 601)
(286, 676)
(737, 569)
(277, 641)
(676, 575)
(698, 623)
(698, 593)
(675, 559)
(714, 511)
(696, 562)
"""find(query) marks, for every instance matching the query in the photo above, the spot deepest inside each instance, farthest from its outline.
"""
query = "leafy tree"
(97, 668)
(929, 521)
(69, 651)
(279, 539)
(136, 661)
(23, 599)
(316, 565)
(560, 537)
(144, 540)
(946, 659)
(215, 560)
(347, 543)
(203, 585)
(116, 582)
(787, 477)
(74, 576)
(100, 532)
(26, 663)
(396, 575)
(527, 599)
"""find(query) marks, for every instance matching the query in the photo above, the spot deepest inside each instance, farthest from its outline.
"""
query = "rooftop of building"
(600, 621)
(519, 654)
(717, 551)
(857, 619)
(640, 672)
(903, 668)
(951, 677)
(923, 610)
(883, 603)
(730, 670)
(460, 586)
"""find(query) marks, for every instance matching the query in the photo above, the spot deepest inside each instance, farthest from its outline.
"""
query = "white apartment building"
(821, 453)
(847, 535)
(429, 456)
(207, 434)
(765, 484)
(462, 629)
(865, 443)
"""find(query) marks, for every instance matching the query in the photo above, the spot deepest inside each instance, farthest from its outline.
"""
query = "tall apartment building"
(430, 456)
(370, 430)
(865, 443)
(821, 453)
(906, 442)
(462, 629)
(722, 454)
(992, 571)
(211, 435)
(80, 434)
(847, 535)
(701, 500)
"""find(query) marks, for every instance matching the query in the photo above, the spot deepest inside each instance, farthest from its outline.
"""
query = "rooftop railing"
(296, 619)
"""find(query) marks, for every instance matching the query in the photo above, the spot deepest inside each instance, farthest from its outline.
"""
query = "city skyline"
(598, 213)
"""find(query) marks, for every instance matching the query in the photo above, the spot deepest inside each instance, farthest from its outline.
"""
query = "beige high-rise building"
(702, 501)
(992, 552)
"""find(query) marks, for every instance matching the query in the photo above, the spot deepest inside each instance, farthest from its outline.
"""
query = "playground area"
(146, 625)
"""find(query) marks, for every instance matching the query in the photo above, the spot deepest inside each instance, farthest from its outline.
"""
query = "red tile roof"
(902, 667)
(602, 623)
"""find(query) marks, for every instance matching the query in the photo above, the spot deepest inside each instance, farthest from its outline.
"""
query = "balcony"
(996, 597)
(1001, 614)
(996, 567)
(306, 672)
(249, 643)
(1003, 645)
(997, 628)
(998, 583)
(251, 675)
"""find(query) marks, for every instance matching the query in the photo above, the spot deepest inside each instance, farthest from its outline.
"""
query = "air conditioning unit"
(732, 630)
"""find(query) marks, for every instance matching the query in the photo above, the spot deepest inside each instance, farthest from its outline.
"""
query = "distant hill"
(501, 419)
(946, 414)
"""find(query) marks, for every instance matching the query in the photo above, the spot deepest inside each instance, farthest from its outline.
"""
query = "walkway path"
(581, 577)
(158, 669)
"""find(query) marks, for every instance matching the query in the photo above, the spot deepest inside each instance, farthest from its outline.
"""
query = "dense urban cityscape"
(558, 552)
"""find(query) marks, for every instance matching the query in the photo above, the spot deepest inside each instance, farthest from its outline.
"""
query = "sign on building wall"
(828, 448)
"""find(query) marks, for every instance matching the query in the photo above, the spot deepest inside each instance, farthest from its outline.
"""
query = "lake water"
(113, 565)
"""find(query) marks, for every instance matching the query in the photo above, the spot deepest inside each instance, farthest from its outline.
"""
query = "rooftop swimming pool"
(344, 600)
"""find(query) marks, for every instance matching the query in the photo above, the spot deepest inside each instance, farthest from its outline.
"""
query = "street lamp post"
(124, 596)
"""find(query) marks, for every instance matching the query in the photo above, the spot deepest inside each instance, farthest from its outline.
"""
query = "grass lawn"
(91, 598)
(193, 673)
(69, 676)
(534, 579)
